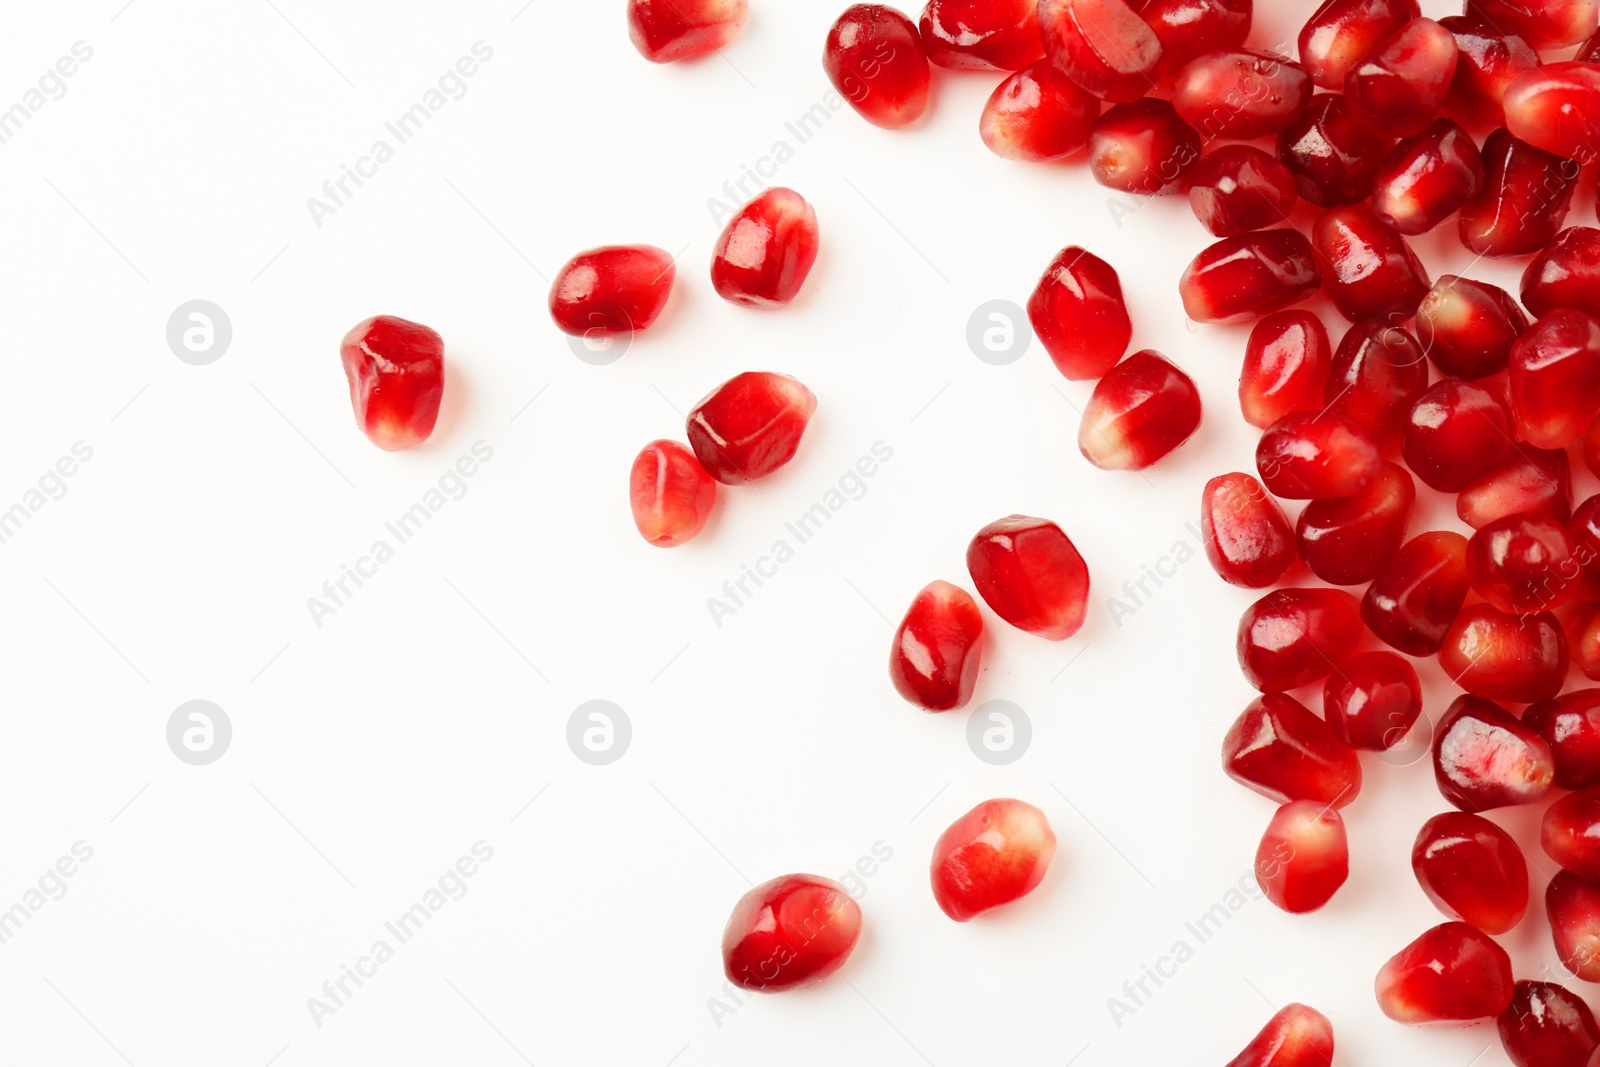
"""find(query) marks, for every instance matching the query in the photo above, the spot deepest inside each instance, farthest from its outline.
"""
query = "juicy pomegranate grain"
(613, 290)
(1523, 564)
(1348, 541)
(1583, 640)
(1243, 277)
(1333, 155)
(938, 648)
(1542, 23)
(1030, 574)
(1573, 905)
(1484, 758)
(996, 853)
(1292, 637)
(1452, 973)
(672, 495)
(396, 373)
(1103, 45)
(1566, 274)
(1142, 409)
(1240, 95)
(1373, 701)
(1079, 315)
(1570, 833)
(1370, 270)
(1237, 188)
(874, 58)
(1379, 371)
(1287, 361)
(1304, 857)
(1489, 61)
(1589, 51)
(1555, 378)
(1589, 446)
(1456, 433)
(789, 932)
(1313, 455)
(1142, 147)
(1246, 536)
(1472, 871)
(767, 249)
(1402, 83)
(1038, 114)
(1571, 725)
(665, 31)
(1532, 481)
(1341, 33)
(1467, 327)
(1520, 658)
(1426, 178)
(1413, 602)
(1190, 28)
(1553, 108)
(1547, 1026)
(750, 425)
(1525, 195)
(1281, 750)
(982, 34)
(1297, 1036)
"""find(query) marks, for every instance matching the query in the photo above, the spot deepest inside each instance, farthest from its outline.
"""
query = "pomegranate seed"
(1547, 1026)
(1566, 274)
(789, 932)
(1452, 973)
(1484, 758)
(1031, 575)
(765, 252)
(1343, 32)
(613, 290)
(1569, 833)
(1142, 409)
(874, 58)
(1532, 481)
(1240, 95)
(1589, 445)
(1190, 28)
(1525, 194)
(1589, 51)
(1472, 871)
(1573, 905)
(1313, 455)
(1103, 45)
(1373, 701)
(396, 374)
(1489, 61)
(1402, 83)
(1520, 658)
(1550, 108)
(750, 425)
(1348, 541)
(1379, 371)
(1247, 537)
(1287, 361)
(1038, 114)
(982, 34)
(1142, 147)
(1297, 1036)
(1585, 531)
(1523, 564)
(1583, 641)
(1333, 155)
(1245, 276)
(1571, 725)
(1079, 315)
(1426, 178)
(1372, 272)
(1237, 188)
(937, 648)
(1278, 748)
(1542, 23)
(1555, 378)
(1467, 327)
(996, 853)
(1304, 857)
(665, 31)
(1457, 432)
(1412, 604)
(1292, 637)
(672, 495)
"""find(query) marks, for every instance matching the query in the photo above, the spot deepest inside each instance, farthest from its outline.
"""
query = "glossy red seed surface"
(1523, 564)
(396, 373)
(874, 58)
(1243, 277)
(1532, 480)
(1573, 905)
(789, 932)
(1519, 658)
(1247, 538)
(994, 854)
(1103, 45)
(1078, 314)
(1287, 361)
(750, 425)
(1489, 61)
(1349, 540)
(1240, 95)
(1369, 269)
(1303, 857)
(1038, 114)
(1472, 871)
(1141, 410)
(665, 31)
(1372, 701)
(1570, 724)
(1314, 455)
(1413, 602)
(1589, 447)
(1401, 84)
(671, 494)
(981, 34)
(1553, 108)
(1457, 432)
(1565, 274)
(1292, 637)
(766, 250)
(938, 648)
(1467, 327)
(1378, 373)
(1030, 574)
(1524, 198)
(1333, 155)
(1542, 23)
(1452, 973)
(1583, 639)
(1570, 833)
(1555, 378)
(1142, 147)
(1190, 28)
(1297, 1036)
(612, 290)
(1484, 757)
(1341, 33)
(1278, 748)
(1547, 1026)
(1237, 187)
(1426, 178)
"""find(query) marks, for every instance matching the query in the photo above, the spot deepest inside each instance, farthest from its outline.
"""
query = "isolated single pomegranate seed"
(1292, 637)
(1426, 178)
(1369, 269)
(1571, 725)
(1287, 361)
(874, 58)
(1237, 188)
(1030, 574)
(1142, 409)
(1484, 758)
(665, 31)
(1542, 23)
(1555, 378)
(1547, 1026)
(789, 932)
(672, 495)
(1142, 147)
(1553, 108)
(1413, 602)
(996, 853)
(1456, 433)
(1341, 33)
(1079, 315)
(1373, 701)
(1402, 83)
(1314, 455)
(1304, 857)
(1103, 45)
(1297, 1036)
(1452, 973)
(1278, 748)
(1524, 198)
(1467, 327)
(1472, 871)
(1566, 274)
(1190, 28)
(1246, 536)
(1038, 114)
(1240, 95)
(613, 290)
(938, 648)
(1379, 371)
(1349, 540)
(1570, 833)
(1489, 61)
(1520, 658)
(982, 34)
(750, 425)
(1583, 640)
(766, 250)
(1573, 905)
(396, 373)
(1532, 481)
(1523, 564)
(1333, 155)
(1248, 275)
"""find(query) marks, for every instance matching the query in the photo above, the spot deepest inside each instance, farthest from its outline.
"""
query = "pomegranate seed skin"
(1583, 641)
(1519, 658)
(1566, 274)
(1191, 28)
(1349, 540)
(765, 252)
(1103, 45)
(1142, 409)
(1341, 33)
(671, 494)
(1372, 272)
(874, 58)
(1573, 905)
(1287, 362)
(1240, 95)
(1456, 433)
(1523, 564)
(1278, 748)
(1413, 602)
(1402, 83)
(665, 31)
(1297, 1036)
(1293, 637)
(1426, 178)
(1547, 108)
(1304, 857)
(1333, 155)
(1452, 973)
(1379, 371)
(1472, 871)
(1030, 574)
(1467, 327)
(981, 34)
(396, 373)
(791, 931)
(750, 425)
(1079, 315)
(1248, 275)
(1483, 757)
(1314, 455)
(1142, 147)
(1524, 198)
(612, 290)
(1551, 24)
(1569, 832)
(1571, 725)
(1373, 701)
(1038, 114)
(1489, 61)
(1237, 188)
(1532, 481)
(1555, 378)
(996, 853)
(938, 648)
(1547, 1026)
(1247, 538)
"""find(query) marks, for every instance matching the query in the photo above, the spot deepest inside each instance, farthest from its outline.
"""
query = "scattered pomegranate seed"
(1297, 1036)
(1426, 178)
(767, 249)
(1566, 274)
(1532, 481)
(1292, 637)
(1484, 758)
(1142, 409)
(1402, 83)
(1278, 748)
(1190, 28)
(1142, 147)
(1333, 155)
(1341, 33)
(1038, 114)
(1412, 604)
(937, 648)
(1314, 455)
(1544, 23)
(1523, 564)
(750, 425)
(1240, 95)
(1304, 857)
(1520, 658)
(672, 495)
(982, 34)
(1571, 725)
(1371, 271)
(1030, 574)
(1379, 371)
(613, 290)
(1103, 45)
(1237, 188)
(874, 58)
(1245, 276)
(1452, 973)
(1373, 701)
(1287, 361)
(1547, 1026)
(1472, 871)
(1583, 639)
(996, 853)
(1570, 833)
(1489, 61)
(1467, 327)
(1552, 108)
(789, 932)
(665, 31)
(1456, 433)
(396, 374)
(1079, 315)
(1525, 195)
(1555, 378)
(1349, 540)
(1573, 905)
(1246, 536)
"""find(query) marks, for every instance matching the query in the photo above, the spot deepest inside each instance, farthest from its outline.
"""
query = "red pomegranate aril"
(1553, 108)
(1278, 748)
(1243, 277)
(1413, 602)
(1589, 51)
(1297, 1036)
(1287, 361)
(1573, 905)
(1589, 448)
(1524, 198)
(1472, 871)
(396, 373)
(1484, 758)
(994, 854)
(1570, 833)
(1341, 33)
(1349, 540)
(1247, 538)
(766, 250)
(665, 31)
(1489, 61)
(672, 495)
(1467, 327)
(1555, 378)
(1103, 45)
(1190, 28)
(1142, 147)
(612, 290)
(1542, 23)
(789, 932)
(750, 425)
(1371, 271)
(1426, 178)
(1237, 188)
(1030, 574)
(1292, 637)
(1532, 481)
(1547, 1026)
(1456, 433)
(981, 34)
(1315, 455)
(1571, 725)
(1373, 701)
(1333, 155)
(1142, 409)
(938, 648)
(1566, 274)
(1523, 564)
(1585, 531)
(1583, 639)
(1452, 973)
(1304, 857)
(1378, 373)
(1240, 95)
(1079, 315)
(1402, 83)
(1519, 658)
(874, 58)
(1038, 114)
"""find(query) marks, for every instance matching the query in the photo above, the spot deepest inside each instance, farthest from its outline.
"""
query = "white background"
(370, 753)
